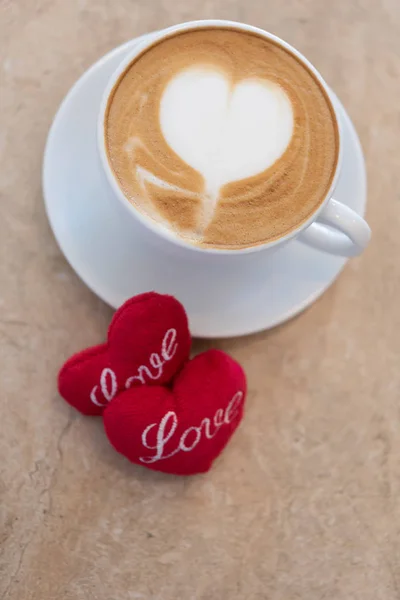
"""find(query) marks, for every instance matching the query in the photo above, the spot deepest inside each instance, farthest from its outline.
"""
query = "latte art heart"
(226, 132)
(222, 136)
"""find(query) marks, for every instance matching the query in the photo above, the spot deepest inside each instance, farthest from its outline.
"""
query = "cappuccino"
(222, 136)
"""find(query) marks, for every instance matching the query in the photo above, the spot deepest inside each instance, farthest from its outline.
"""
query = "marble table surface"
(305, 502)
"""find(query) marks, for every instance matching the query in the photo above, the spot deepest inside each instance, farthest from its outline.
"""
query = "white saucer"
(111, 257)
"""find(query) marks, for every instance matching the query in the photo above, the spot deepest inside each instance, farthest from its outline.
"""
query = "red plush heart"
(183, 429)
(148, 343)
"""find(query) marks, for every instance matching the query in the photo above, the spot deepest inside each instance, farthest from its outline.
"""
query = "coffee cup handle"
(347, 235)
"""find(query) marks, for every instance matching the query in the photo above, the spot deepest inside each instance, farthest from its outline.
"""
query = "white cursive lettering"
(218, 421)
(168, 349)
(108, 386)
(108, 379)
(142, 371)
(169, 345)
(233, 408)
(169, 423)
(161, 439)
(182, 441)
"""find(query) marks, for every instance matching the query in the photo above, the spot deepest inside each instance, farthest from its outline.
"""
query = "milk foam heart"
(225, 131)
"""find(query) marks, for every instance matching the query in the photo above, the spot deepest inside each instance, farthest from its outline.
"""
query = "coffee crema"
(223, 137)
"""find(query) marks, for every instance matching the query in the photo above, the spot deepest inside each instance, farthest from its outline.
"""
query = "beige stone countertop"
(305, 502)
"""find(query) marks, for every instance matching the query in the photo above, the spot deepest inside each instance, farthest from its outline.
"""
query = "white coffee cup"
(333, 227)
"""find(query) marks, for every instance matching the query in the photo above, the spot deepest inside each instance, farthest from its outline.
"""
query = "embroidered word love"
(192, 436)
(153, 371)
